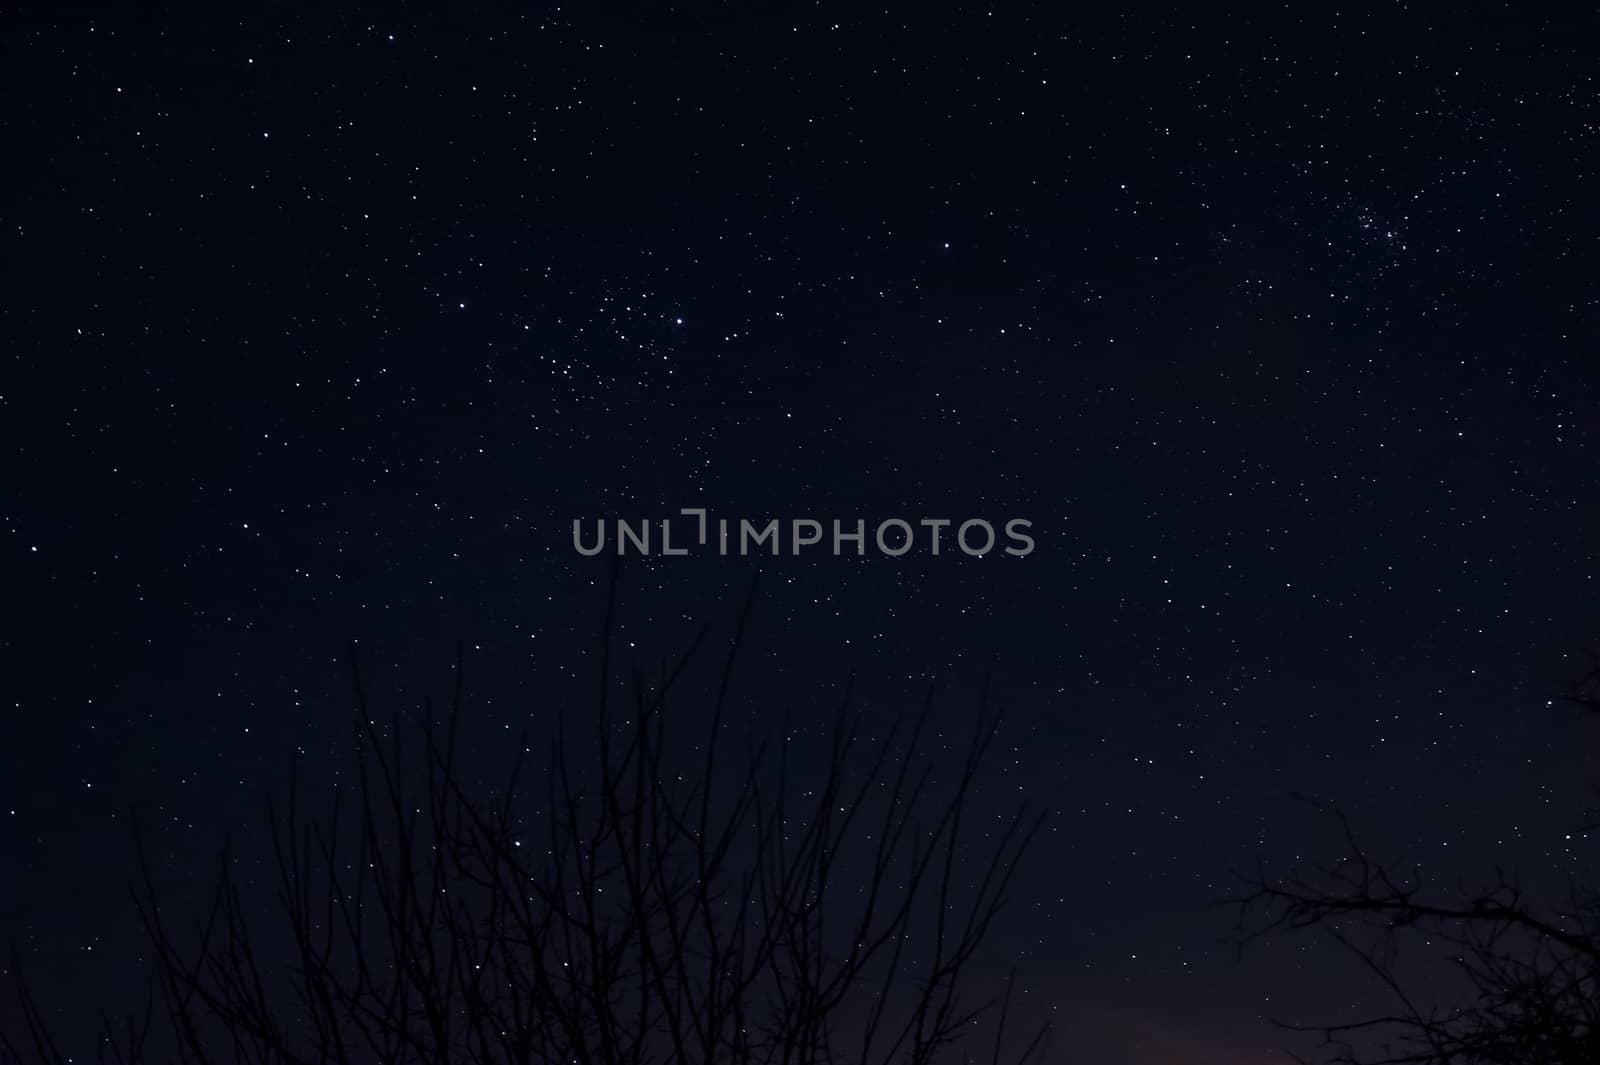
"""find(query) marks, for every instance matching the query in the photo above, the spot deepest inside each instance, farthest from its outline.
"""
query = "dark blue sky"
(1280, 329)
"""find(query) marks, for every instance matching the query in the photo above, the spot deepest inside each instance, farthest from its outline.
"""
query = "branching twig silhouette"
(634, 913)
(1528, 972)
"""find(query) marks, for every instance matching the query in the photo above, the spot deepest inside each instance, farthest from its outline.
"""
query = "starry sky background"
(1279, 328)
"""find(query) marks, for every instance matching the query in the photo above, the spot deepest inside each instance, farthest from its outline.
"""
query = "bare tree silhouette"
(1526, 970)
(752, 912)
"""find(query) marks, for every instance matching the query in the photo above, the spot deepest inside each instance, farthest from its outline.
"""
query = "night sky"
(1279, 329)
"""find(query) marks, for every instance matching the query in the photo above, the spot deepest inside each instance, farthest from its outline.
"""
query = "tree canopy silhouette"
(627, 908)
(1527, 968)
